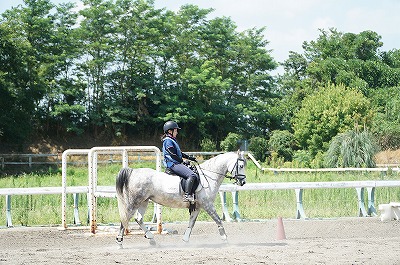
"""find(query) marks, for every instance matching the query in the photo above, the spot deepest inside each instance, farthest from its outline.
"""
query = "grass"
(318, 203)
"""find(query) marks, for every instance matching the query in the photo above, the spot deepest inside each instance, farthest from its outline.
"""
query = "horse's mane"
(210, 163)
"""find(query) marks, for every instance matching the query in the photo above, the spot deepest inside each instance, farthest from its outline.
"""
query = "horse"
(135, 187)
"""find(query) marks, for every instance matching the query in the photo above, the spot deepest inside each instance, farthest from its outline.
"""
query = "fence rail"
(298, 187)
(29, 159)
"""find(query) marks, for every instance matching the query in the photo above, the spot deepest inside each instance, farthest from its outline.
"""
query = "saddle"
(183, 181)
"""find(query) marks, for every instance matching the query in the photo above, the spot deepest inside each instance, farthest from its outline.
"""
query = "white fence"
(299, 187)
(94, 191)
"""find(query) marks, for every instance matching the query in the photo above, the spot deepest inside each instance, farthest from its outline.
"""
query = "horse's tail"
(122, 180)
(121, 183)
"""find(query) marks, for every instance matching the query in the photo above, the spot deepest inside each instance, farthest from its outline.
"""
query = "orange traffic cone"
(280, 235)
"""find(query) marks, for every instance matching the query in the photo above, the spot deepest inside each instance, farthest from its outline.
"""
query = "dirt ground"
(313, 241)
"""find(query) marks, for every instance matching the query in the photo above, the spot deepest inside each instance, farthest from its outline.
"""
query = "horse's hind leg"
(125, 213)
(192, 221)
(120, 236)
(123, 227)
(139, 219)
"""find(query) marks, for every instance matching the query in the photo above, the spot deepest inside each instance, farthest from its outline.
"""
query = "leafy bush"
(259, 148)
(208, 145)
(282, 142)
(303, 158)
(231, 142)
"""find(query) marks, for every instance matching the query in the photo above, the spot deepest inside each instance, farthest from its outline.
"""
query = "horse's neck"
(217, 166)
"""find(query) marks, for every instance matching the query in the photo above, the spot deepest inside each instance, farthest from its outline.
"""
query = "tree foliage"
(124, 67)
(282, 142)
(329, 111)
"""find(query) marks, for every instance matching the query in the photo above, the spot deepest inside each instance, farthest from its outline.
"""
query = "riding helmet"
(170, 125)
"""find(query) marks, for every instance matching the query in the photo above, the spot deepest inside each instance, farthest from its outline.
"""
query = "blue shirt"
(171, 151)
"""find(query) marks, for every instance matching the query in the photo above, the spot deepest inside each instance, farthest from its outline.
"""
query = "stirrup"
(188, 198)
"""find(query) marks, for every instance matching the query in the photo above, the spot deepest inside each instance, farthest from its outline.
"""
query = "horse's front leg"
(192, 221)
(210, 209)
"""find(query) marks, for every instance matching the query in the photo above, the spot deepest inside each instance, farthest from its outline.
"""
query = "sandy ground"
(324, 241)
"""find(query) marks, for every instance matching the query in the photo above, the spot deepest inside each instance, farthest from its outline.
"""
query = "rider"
(173, 158)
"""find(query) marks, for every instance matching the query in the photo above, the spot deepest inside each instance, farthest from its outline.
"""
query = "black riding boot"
(188, 189)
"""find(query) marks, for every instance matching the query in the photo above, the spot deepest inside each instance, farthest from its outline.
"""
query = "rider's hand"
(192, 158)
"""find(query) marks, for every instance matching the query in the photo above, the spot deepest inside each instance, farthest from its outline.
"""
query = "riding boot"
(188, 190)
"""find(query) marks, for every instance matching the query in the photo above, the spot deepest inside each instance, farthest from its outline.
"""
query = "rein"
(225, 175)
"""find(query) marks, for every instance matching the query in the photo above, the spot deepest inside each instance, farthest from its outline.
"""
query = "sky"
(289, 23)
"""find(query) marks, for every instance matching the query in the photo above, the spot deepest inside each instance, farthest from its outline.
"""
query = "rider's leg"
(186, 173)
(189, 184)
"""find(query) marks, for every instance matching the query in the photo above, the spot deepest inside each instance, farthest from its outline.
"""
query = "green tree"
(97, 32)
(65, 99)
(324, 114)
(27, 35)
(386, 122)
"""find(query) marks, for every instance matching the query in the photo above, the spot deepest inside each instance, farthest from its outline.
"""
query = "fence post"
(235, 200)
(361, 207)
(299, 202)
(371, 201)
(8, 211)
(76, 209)
(225, 213)
(2, 162)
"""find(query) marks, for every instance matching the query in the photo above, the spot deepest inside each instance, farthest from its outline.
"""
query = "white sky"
(290, 22)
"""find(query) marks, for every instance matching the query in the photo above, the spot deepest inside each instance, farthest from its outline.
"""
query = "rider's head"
(170, 125)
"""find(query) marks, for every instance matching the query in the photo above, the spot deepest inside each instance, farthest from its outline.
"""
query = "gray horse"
(135, 187)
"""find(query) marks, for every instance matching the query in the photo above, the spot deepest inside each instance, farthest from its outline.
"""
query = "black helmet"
(170, 125)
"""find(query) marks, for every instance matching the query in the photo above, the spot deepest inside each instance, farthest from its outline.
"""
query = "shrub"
(282, 142)
(231, 142)
(259, 148)
(303, 158)
(208, 145)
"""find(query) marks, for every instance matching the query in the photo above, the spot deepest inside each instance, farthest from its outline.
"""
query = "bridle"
(232, 175)
(237, 176)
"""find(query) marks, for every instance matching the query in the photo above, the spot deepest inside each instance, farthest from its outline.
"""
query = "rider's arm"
(186, 156)
(172, 152)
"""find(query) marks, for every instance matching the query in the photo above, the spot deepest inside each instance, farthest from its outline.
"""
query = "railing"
(28, 159)
(299, 187)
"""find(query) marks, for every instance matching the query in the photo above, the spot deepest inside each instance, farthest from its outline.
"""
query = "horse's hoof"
(152, 242)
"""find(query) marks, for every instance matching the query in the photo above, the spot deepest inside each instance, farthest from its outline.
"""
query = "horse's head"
(237, 171)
